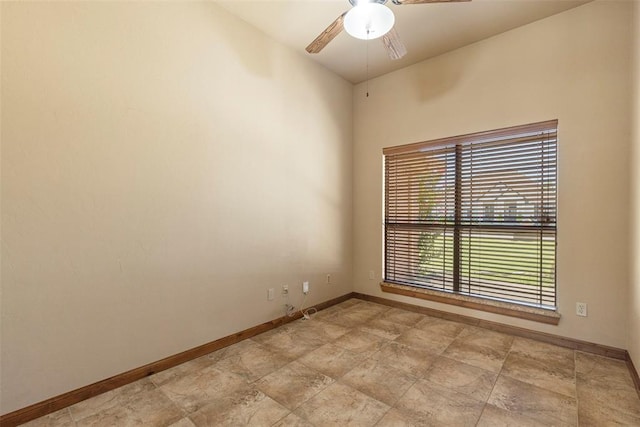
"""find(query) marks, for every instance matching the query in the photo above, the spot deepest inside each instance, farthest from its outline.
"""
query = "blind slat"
(501, 214)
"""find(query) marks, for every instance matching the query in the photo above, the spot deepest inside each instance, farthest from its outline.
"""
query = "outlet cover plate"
(581, 309)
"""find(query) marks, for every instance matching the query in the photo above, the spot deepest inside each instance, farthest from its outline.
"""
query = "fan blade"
(327, 35)
(393, 44)
(425, 1)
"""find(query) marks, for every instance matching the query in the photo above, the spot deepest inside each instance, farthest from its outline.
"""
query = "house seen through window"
(475, 214)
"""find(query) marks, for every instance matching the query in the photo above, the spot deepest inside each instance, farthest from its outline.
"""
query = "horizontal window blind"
(475, 214)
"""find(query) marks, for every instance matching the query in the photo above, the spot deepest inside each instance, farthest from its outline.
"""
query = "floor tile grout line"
(338, 380)
(418, 377)
(603, 404)
(537, 386)
(370, 357)
(306, 400)
(335, 380)
(486, 402)
(501, 373)
(280, 420)
(73, 420)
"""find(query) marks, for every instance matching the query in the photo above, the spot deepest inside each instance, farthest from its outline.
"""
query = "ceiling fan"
(367, 20)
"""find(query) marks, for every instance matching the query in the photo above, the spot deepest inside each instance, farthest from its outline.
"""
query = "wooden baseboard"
(602, 350)
(634, 374)
(62, 401)
(588, 347)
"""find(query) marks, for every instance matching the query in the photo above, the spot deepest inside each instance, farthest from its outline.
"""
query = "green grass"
(493, 259)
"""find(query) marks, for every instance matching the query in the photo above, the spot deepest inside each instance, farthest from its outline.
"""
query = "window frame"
(455, 143)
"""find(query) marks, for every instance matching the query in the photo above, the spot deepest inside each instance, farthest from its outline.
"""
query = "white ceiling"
(427, 30)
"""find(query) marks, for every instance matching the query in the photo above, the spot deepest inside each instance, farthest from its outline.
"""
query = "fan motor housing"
(355, 2)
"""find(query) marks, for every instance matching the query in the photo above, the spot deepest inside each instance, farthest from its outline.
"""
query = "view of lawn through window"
(475, 214)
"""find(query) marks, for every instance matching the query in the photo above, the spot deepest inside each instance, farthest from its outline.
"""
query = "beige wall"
(575, 67)
(163, 165)
(634, 297)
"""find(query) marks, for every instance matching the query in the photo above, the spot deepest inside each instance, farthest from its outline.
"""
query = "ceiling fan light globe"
(368, 21)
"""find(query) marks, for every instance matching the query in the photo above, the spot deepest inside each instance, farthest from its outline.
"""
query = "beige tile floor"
(364, 364)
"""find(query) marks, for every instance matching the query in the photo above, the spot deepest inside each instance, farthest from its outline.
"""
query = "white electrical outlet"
(581, 309)
(271, 294)
(305, 287)
(285, 290)
(372, 275)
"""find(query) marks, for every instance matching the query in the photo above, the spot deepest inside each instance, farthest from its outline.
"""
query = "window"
(442, 227)
(511, 214)
(488, 212)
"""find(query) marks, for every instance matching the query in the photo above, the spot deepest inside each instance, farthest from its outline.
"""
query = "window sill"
(507, 309)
